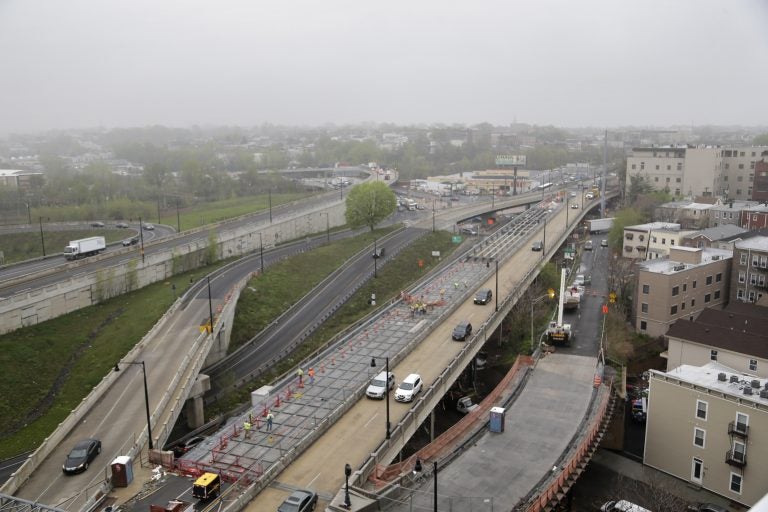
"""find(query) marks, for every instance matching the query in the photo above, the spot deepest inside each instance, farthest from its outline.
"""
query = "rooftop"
(711, 376)
(734, 329)
(758, 243)
(669, 266)
(654, 225)
(718, 232)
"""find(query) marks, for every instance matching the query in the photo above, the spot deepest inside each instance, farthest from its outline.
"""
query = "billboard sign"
(510, 160)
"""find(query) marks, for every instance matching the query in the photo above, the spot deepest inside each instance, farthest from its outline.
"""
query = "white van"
(622, 506)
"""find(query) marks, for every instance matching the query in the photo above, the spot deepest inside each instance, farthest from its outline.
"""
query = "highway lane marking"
(313, 480)
(370, 420)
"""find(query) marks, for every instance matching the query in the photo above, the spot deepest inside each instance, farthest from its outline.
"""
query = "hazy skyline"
(85, 63)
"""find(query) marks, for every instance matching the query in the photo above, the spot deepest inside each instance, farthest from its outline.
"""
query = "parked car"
(97, 224)
(301, 500)
(121, 225)
(622, 506)
(466, 230)
(81, 456)
(603, 243)
(185, 446)
(582, 280)
(537, 246)
(588, 245)
(706, 507)
(464, 405)
(462, 331)
(131, 241)
(379, 252)
(409, 388)
(380, 385)
(149, 227)
(483, 296)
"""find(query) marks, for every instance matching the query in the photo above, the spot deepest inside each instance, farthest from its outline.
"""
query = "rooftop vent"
(716, 257)
(764, 393)
(734, 379)
(722, 377)
(755, 383)
(747, 391)
(678, 268)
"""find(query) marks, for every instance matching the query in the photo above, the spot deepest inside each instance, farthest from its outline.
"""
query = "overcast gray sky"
(81, 63)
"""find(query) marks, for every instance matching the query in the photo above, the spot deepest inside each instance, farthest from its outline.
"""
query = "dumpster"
(497, 419)
(122, 471)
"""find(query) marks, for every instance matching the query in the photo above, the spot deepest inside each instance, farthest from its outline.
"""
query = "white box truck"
(600, 225)
(84, 247)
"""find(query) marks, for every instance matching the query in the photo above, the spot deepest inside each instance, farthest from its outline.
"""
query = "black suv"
(483, 296)
(462, 331)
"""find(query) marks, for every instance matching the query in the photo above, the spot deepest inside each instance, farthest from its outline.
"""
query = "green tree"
(368, 204)
(761, 140)
(623, 218)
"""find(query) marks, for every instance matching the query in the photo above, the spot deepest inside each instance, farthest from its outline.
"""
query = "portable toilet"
(122, 471)
(497, 419)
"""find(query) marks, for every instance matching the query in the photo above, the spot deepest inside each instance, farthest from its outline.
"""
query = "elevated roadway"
(75, 495)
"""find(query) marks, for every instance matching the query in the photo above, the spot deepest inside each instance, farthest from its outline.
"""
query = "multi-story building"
(749, 272)
(708, 426)
(679, 287)
(18, 179)
(651, 240)
(760, 188)
(754, 217)
(736, 336)
(729, 213)
(728, 172)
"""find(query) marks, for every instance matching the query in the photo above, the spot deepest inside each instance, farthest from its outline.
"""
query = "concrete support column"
(193, 408)
(432, 426)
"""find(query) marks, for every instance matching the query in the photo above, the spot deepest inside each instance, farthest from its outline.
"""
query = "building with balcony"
(708, 426)
(749, 272)
(679, 287)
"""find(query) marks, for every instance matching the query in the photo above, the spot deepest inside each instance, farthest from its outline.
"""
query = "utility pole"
(605, 176)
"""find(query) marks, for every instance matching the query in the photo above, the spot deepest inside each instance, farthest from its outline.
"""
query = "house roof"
(734, 382)
(741, 332)
(718, 232)
(748, 234)
(758, 243)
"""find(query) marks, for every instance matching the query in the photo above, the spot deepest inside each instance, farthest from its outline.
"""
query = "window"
(656, 179)
(751, 296)
(719, 277)
(678, 180)
(753, 365)
(741, 166)
(657, 167)
(717, 294)
(646, 289)
(713, 355)
(697, 470)
(701, 410)
(742, 276)
(663, 241)
(642, 166)
(698, 437)
(743, 259)
(644, 307)
(673, 310)
(693, 302)
(740, 178)
(755, 260)
(633, 166)
(707, 298)
(675, 290)
(694, 284)
(643, 325)
(679, 166)
(742, 421)
(709, 280)
(739, 451)
(740, 294)
(682, 306)
(669, 167)
(654, 239)
(685, 286)
(735, 483)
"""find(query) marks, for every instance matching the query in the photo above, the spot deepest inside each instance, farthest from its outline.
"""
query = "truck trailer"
(600, 225)
(84, 247)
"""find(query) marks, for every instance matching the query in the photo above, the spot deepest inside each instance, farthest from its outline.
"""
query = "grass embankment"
(23, 246)
(393, 277)
(47, 369)
(69, 355)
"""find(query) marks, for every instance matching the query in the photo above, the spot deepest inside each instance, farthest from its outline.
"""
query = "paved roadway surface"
(539, 425)
(358, 432)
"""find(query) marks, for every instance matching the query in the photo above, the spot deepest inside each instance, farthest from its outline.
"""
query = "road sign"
(456, 239)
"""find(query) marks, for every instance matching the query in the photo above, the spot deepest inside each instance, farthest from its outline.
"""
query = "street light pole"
(544, 238)
(386, 390)
(146, 396)
(29, 214)
(141, 237)
(375, 258)
(433, 215)
(497, 286)
(434, 473)
(327, 228)
(210, 303)
(270, 205)
(347, 472)
(42, 238)
(178, 217)
(261, 252)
